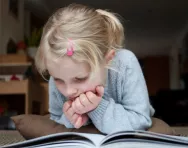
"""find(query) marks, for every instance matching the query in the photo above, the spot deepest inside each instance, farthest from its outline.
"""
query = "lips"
(72, 98)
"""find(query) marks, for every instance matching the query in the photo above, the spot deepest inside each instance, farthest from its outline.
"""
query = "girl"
(92, 79)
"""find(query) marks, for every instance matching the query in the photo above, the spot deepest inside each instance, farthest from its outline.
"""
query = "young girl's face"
(72, 77)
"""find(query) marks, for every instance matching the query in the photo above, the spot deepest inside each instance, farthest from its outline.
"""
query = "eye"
(81, 79)
(58, 80)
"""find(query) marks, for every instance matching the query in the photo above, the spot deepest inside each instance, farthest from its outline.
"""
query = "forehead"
(66, 66)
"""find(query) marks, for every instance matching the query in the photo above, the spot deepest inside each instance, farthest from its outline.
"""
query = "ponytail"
(114, 27)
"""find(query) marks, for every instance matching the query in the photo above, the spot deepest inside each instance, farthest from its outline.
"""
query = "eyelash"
(76, 79)
(80, 79)
(58, 80)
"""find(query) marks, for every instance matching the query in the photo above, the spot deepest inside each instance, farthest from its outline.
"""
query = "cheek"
(60, 88)
(87, 87)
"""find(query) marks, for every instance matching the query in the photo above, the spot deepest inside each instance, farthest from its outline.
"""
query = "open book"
(128, 139)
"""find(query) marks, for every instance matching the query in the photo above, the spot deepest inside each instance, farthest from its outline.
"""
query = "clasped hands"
(75, 110)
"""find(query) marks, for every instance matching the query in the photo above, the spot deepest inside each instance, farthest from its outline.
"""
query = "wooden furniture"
(44, 98)
(13, 59)
(14, 63)
(29, 89)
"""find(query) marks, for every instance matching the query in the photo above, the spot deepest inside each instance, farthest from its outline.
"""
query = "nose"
(70, 92)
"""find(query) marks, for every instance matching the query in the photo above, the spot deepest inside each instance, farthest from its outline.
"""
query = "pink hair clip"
(70, 50)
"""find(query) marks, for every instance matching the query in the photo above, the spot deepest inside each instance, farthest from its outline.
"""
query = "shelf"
(14, 68)
(15, 64)
(11, 64)
(30, 90)
(13, 58)
(13, 87)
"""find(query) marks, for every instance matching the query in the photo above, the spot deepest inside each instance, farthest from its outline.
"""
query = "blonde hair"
(93, 33)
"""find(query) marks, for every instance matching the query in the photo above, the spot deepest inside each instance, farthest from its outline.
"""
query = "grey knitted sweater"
(125, 104)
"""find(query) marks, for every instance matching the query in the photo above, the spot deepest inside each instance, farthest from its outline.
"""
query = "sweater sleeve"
(133, 111)
(56, 101)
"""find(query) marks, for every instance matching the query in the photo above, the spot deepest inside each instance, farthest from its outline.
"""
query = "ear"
(109, 56)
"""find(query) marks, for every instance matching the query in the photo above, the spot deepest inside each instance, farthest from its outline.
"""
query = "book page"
(96, 138)
(141, 145)
(66, 137)
(144, 135)
(66, 144)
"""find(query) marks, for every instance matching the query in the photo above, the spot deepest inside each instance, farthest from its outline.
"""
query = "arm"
(56, 101)
(133, 111)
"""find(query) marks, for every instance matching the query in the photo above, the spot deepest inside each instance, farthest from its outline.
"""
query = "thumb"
(100, 91)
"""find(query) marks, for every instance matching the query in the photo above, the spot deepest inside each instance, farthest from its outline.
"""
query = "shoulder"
(124, 53)
(52, 86)
(52, 83)
(54, 94)
(124, 58)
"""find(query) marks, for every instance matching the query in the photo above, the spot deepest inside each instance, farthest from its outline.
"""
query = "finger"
(91, 97)
(78, 123)
(84, 100)
(66, 106)
(79, 106)
(75, 108)
(74, 118)
(70, 112)
(100, 91)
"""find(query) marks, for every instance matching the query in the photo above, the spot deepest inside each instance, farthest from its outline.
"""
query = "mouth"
(72, 98)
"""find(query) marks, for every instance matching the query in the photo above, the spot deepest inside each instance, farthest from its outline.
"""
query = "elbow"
(139, 123)
(144, 123)
(53, 117)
